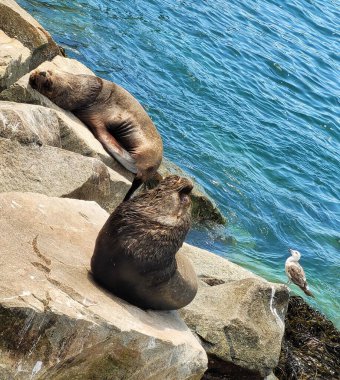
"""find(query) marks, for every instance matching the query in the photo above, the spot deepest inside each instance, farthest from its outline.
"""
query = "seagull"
(296, 273)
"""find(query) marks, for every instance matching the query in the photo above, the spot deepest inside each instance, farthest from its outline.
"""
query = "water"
(246, 97)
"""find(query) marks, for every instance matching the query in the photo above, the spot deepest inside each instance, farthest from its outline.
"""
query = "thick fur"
(135, 253)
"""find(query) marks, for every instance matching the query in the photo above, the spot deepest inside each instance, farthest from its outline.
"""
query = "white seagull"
(296, 273)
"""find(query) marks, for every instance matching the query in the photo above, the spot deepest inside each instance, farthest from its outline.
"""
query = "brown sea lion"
(114, 116)
(135, 255)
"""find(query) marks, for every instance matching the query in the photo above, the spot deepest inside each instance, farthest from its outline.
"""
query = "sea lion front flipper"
(112, 146)
(135, 185)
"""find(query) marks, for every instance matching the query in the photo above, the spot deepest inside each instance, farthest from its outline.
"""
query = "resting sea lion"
(114, 116)
(135, 252)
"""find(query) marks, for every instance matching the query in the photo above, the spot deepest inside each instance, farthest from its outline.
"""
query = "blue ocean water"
(246, 97)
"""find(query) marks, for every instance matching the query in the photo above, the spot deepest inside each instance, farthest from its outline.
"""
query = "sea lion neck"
(87, 89)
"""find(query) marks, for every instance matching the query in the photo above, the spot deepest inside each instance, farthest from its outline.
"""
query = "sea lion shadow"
(157, 319)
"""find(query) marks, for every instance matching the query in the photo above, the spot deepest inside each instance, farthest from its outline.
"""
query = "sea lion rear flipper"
(112, 146)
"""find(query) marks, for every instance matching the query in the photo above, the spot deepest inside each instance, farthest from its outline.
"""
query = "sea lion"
(113, 115)
(135, 255)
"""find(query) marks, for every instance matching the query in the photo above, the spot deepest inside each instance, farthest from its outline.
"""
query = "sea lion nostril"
(186, 189)
(43, 73)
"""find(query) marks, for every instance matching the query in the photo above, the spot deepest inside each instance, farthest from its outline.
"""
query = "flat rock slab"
(57, 172)
(55, 322)
(14, 60)
(19, 24)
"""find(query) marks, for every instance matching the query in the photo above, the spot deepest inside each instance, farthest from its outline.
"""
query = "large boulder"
(19, 24)
(56, 323)
(29, 124)
(14, 60)
(238, 316)
(57, 172)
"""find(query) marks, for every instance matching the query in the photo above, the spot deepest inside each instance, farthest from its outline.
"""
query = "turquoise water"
(246, 97)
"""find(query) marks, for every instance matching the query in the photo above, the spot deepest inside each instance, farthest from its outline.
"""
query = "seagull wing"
(297, 274)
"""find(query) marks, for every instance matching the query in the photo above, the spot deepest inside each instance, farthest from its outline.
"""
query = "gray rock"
(14, 60)
(18, 24)
(57, 172)
(56, 323)
(30, 124)
(238, 316)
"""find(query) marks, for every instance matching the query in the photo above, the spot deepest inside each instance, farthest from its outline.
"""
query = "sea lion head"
(41, 81)
(66, 90)
(169, 203)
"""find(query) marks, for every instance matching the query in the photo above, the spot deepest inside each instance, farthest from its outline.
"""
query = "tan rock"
(57, 172)
(55, 323)
(215, 269)
(238, 316)
(14, 60)
(19, 24)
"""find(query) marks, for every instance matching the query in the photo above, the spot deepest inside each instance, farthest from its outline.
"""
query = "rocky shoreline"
(57, 186)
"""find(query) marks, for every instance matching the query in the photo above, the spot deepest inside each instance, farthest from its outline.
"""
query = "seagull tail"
(308, 292)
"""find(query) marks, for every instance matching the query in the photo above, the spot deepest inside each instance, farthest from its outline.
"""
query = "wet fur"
(135, 253)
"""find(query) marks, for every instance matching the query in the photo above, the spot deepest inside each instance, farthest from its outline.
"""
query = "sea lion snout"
(33, 79)
(40, 80)
(185, 190)
(181, 184)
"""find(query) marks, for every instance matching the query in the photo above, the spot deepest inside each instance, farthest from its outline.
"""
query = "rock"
(74, 134)
(18, 24)
(56, 323)
(30, 124)
(204, 208)
(311, 345)
(14, 60)
(271, 376)
(214, 269)
(238, 316)
(57, 172)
